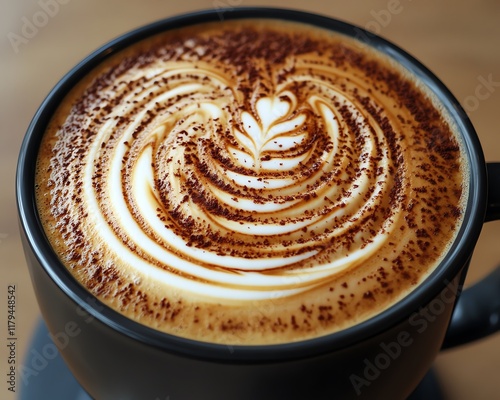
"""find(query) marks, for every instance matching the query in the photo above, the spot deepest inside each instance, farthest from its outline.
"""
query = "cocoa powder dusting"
(246, 159)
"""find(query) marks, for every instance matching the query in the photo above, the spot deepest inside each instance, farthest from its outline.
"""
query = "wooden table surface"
(457, 40)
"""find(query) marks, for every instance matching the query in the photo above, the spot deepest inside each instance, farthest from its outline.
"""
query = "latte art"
(220, 179)
(240, 202)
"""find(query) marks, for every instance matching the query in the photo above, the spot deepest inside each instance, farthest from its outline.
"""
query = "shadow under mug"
(384, 357)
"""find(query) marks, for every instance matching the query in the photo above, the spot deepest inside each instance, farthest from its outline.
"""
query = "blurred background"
(458, 40)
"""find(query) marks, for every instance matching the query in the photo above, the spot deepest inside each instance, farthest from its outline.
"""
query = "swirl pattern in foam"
(228, 179)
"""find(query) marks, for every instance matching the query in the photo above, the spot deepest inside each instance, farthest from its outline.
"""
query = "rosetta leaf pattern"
(272, 129)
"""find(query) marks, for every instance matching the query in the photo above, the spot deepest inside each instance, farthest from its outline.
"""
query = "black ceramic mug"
(382, 358)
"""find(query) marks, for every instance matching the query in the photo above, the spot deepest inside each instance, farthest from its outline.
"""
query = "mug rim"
(457, 256)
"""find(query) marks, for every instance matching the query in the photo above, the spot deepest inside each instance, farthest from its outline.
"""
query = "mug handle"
(477, 312)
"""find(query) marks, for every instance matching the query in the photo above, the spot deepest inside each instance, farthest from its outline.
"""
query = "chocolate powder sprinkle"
(263, 161)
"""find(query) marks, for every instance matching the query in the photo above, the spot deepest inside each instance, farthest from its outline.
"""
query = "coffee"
(250, 182)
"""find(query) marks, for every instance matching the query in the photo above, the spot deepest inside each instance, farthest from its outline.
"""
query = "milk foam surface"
(250, 182)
